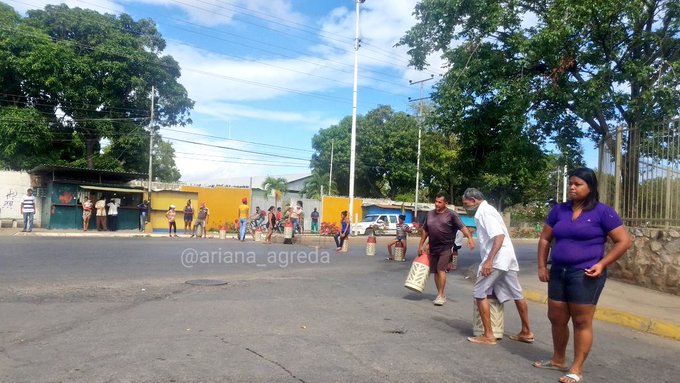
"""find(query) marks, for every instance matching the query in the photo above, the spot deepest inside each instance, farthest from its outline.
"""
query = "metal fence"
(639, 175)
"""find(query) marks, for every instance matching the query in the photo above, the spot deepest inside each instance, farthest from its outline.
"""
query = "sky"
(266, 75)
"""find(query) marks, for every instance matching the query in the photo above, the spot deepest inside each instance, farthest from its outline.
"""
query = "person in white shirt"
(28, 210)
(113, 214)
(498, 271)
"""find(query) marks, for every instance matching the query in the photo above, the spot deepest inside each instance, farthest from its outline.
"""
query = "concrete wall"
(13, 187)
(222, 203)
(652, 262)
(161, 202)
(333, 206)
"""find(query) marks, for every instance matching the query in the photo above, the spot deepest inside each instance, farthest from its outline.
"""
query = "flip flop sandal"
(574, 377)
(548, 365)
(522, 339)
(480, 340)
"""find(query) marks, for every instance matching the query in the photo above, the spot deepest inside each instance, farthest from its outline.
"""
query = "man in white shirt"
(28, 210)
(113, 214)
(498, 271)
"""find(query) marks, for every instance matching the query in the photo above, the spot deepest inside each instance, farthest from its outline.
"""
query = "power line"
(236, 149)
(235, 140)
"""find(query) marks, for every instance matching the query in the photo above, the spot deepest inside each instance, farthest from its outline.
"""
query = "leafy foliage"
(386, 151)
(89, 76)
(580, 68)
(276, 185)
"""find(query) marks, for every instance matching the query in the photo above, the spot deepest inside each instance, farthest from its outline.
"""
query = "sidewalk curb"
(621, 318)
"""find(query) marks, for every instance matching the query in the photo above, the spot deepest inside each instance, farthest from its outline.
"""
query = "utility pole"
(420, 129)
(330, 175)
(352, 155)
(153, 95)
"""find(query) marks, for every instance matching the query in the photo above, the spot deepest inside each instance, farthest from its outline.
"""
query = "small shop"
(63, 190)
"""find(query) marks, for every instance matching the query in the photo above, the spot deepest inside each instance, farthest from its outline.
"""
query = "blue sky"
(271, 72)
(267, 75)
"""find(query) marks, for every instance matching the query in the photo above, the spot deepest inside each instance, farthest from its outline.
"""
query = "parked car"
(382, 224)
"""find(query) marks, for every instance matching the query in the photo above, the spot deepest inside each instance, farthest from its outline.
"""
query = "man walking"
(498, 271)
(440, 227)
(28, 210)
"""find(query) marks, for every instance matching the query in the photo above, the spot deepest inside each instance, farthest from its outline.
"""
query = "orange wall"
(222, 202)
(333, 206)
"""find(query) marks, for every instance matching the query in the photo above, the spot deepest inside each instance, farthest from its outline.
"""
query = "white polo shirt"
(490, 224)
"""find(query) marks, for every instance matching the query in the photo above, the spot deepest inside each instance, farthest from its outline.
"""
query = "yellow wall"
(222, 202)
(160, 203)
(333, 206)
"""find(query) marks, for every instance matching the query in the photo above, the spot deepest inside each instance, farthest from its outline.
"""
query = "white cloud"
(101, 6)
(211, 13)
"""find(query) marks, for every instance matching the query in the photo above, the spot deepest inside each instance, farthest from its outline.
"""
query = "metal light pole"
(420, 129)
(330, 175)
(352, 155)
(153, 95)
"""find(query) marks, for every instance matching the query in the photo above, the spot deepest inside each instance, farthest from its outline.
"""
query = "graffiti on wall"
(9, 205)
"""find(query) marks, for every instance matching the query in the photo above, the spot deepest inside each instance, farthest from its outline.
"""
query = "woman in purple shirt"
(580, 228)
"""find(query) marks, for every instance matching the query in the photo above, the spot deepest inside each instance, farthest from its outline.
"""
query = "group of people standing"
(106, 214)
(574, 235)
(273, 218)
(194, 227)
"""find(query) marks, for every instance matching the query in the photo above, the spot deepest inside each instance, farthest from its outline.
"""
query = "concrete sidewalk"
(627, 305)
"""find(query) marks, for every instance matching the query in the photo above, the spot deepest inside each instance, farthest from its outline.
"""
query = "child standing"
(170, 215)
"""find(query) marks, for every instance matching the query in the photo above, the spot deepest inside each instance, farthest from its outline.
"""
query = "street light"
(352, 155)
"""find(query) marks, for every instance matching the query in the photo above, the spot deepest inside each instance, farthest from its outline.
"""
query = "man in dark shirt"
(142, 207)
(315, 221)
(440, 227)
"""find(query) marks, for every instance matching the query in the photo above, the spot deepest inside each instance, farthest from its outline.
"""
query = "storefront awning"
(118, 190)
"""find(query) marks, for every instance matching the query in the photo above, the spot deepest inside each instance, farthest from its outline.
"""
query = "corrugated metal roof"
(44, 168)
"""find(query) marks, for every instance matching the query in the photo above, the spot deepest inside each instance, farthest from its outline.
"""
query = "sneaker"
(439, 301)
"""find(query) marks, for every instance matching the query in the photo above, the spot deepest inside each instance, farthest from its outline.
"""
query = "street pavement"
(114, 307)
(621, 303)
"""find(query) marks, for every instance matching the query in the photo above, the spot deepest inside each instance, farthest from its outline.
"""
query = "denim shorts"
(571, 285)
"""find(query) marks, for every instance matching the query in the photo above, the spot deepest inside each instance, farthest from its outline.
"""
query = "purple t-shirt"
(441, 229)
(580, 243)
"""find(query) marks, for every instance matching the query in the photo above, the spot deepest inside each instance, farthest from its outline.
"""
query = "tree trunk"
(90, 143)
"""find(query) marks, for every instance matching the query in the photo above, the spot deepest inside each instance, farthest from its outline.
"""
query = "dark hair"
(402, 217)
(343, 213)
(271, 208)
(443, 194)
(588, 175)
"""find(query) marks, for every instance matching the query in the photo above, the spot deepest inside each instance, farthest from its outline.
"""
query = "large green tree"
(92, 75)
(557, 70)
(385, 153)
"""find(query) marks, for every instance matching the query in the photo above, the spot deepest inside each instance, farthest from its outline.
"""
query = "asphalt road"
(119, 310)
